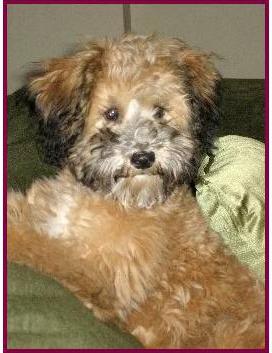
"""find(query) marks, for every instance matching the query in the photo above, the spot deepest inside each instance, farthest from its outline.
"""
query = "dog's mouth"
(132, 174)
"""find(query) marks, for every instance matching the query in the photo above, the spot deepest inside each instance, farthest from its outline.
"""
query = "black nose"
(143, 160)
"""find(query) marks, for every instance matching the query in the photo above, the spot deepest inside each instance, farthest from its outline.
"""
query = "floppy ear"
(203, 84)
(61, 90)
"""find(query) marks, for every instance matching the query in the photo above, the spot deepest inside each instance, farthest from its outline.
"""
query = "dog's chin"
(142, 191)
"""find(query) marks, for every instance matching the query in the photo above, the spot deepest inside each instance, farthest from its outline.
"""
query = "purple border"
(5, 175)
(132, 350)
(182, 2)
(155, 2)
(267, 173)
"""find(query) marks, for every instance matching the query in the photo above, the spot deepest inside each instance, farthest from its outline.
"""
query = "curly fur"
(60, 90)
(59, 133)
(131, 242)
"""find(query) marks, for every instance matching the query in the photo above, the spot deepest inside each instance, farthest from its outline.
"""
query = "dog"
(128, 121)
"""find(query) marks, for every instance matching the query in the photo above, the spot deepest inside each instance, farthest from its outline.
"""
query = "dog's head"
(130, 117)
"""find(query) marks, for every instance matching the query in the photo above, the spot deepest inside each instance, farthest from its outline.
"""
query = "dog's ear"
(61, 90)
(203, 83)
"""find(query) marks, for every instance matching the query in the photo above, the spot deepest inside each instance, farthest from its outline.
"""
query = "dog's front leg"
(60, 258)
(25, 244)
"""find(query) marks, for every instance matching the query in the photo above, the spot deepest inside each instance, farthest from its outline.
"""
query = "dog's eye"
(112, 114)
(159, 112)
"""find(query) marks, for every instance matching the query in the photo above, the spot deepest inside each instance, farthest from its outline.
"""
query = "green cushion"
(25, 164)
(231, 193)
(42, 314)
(243, 108)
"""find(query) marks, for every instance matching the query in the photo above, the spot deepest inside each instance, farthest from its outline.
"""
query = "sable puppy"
(127, 121)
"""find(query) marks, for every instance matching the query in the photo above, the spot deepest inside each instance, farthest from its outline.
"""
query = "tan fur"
(56, 80)
(114, 66)
(136, 252)
(159, 273)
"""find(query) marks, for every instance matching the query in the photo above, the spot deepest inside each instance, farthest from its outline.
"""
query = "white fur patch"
(56, 226)
(135, 110)
(61, 223)
(55, 222)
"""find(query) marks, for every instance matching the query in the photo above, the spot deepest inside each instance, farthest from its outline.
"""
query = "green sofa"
(41, 313)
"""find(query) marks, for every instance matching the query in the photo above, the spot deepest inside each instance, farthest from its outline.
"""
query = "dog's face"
(130, 118)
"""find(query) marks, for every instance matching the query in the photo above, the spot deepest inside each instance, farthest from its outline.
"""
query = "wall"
(38, 32)
(235, 32)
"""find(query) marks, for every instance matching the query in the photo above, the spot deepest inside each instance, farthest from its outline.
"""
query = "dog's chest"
(128, 257)
(127, 269)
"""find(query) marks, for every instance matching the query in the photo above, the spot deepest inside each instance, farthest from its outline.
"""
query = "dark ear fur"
(204, 86)
(61, 90)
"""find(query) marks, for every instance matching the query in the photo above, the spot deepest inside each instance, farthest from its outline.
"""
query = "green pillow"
(231, 194)
(42, 314)
(24, 161)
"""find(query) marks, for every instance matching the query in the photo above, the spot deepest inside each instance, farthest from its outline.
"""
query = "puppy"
(127, 121)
